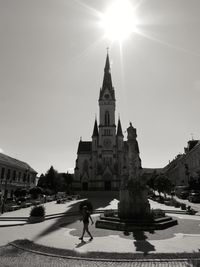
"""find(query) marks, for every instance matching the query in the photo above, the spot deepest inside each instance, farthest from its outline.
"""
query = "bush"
(35, 192)
(177, 204)
(86, 203)
(38, 211)
(183, 206)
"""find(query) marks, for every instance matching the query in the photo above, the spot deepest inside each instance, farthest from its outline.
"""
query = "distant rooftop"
(15, 163)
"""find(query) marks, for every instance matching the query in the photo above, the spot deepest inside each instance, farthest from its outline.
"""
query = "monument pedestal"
(133, 205)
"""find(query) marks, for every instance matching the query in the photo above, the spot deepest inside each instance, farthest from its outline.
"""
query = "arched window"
(107, 118)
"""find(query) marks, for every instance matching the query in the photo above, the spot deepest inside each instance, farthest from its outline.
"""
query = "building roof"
(15, 163)
(84, 147)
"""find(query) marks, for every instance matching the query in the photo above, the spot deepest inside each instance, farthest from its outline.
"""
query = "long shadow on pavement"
(141, 242)
(66, 220)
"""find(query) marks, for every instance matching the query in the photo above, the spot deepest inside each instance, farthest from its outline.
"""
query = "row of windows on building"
(13, 175)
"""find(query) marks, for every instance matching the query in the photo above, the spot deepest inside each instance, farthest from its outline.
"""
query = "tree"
(36, 191)
(67, 180)
(151, 181)
(49, 180)
(163, 184)
(42, 181)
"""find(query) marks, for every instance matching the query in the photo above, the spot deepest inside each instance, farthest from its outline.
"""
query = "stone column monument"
(133, 203)
(134, 211)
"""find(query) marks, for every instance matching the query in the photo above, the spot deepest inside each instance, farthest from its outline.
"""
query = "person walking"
(85, 219)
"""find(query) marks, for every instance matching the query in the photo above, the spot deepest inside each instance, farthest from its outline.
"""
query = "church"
(102, 162)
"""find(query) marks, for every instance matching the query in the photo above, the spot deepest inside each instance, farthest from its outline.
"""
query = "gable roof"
(85, 147)
(15, 163)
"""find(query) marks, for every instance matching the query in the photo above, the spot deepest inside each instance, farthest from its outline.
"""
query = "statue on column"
(133, 194)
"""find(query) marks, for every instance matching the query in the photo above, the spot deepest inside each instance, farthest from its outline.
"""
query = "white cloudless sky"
(52, 57)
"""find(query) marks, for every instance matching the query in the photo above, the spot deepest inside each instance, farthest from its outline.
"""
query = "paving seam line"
(98, 259)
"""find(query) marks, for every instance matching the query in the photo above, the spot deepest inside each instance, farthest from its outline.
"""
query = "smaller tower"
(119, 136)
(95, 136)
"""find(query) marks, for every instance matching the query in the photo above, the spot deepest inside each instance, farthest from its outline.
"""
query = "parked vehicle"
(184, 194)
(10, 200)
(194, 196)
(182, 191)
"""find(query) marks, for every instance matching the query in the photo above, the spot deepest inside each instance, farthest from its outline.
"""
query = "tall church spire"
(107, 80)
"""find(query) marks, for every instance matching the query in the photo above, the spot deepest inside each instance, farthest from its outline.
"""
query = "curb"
(104, 259)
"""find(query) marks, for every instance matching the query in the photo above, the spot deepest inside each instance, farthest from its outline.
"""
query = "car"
(184, 194)
(181, 191)
(194, 196)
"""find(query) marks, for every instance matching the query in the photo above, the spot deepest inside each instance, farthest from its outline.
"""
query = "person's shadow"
(82, 243)
(141, 242)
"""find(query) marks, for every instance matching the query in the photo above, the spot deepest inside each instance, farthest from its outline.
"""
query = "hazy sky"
(52, 57)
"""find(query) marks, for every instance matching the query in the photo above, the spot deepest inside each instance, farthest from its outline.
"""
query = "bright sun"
(119, 20)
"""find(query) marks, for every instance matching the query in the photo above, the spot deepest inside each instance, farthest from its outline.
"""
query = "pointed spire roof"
(95, 130)
(107, 80)
(119, 128)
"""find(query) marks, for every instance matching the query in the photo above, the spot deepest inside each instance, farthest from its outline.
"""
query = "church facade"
(102, 162)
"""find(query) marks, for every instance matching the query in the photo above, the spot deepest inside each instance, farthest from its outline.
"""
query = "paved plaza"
(58, 238)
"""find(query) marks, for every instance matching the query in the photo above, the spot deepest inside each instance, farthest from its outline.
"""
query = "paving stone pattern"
(12, 257)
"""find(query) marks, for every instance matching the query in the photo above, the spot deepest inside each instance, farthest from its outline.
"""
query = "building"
(185, 167)
(15, 174)
(102, 162)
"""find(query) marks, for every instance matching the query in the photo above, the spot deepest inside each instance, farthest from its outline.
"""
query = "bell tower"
(107, 127)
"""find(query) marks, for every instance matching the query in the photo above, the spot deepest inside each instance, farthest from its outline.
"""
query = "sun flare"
(119, 20)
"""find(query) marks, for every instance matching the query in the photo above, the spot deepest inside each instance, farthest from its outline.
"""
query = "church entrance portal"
(85, 186)
(107, 185)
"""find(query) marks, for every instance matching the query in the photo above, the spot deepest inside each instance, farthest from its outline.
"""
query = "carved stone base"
(133, 206)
